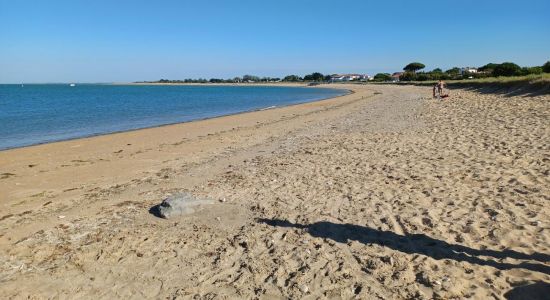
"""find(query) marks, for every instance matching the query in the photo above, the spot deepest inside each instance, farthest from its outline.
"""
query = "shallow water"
(34, 114)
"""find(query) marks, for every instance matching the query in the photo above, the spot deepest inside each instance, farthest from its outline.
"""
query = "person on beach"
(438, 88)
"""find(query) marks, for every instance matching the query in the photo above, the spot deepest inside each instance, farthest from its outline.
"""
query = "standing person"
(438, 90)
(440, 87)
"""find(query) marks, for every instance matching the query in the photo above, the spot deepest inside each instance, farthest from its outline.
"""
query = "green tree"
(423, 76)
(408, 76)
(382, 77)
(488, 68)
(413, 67)
(292, 78)
(435, 74)
(507, 69)
(251, 78)
(546, 67)
(531, 70)
(316, 76)
(453, 73)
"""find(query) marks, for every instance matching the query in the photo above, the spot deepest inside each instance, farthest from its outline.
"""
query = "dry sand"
(381, 194)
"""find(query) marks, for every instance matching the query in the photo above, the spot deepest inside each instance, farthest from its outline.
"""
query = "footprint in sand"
(6, 175)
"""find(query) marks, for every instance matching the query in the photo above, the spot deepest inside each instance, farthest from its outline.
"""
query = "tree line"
(412, 72)
(313, 77)
(245, 78)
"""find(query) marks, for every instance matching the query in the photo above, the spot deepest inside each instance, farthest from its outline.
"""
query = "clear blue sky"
(106, 41)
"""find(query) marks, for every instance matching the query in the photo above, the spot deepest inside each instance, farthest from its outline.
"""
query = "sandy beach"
(384, 193)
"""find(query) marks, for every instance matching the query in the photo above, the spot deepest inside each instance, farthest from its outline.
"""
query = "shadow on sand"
(506, 90)
(535, 291)
(417, 244)
(155, 211)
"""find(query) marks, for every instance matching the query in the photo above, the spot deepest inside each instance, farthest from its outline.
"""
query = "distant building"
(349, 77)
(468, 70)
(395, 76)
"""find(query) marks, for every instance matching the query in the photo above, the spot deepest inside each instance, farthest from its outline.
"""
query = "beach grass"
(538, 79)
(527, 85)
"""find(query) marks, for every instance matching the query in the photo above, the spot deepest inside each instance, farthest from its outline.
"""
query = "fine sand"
(381, 194)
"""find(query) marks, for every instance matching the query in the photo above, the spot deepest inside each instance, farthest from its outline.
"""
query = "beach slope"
(383, 193)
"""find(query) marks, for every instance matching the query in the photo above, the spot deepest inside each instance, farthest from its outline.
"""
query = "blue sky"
(118, 41)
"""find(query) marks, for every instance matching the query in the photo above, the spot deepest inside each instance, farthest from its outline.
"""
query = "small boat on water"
(72, 84)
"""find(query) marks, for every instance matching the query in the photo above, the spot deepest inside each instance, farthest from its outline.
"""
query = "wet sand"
(384, 193)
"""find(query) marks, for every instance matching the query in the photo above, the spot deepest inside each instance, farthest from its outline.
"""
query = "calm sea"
(34, 114)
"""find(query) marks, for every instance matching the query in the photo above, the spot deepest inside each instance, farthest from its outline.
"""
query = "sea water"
(40, 113)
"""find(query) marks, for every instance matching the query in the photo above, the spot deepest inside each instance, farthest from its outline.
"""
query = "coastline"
(381, 193)
(17, 160)
(289, 84)
(344, 93)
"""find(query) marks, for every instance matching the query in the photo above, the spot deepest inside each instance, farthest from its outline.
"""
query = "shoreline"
(288, 84)
(345, 93)
(27, 159)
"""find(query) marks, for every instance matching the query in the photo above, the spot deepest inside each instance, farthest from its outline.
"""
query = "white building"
(468, 70)
(395, 76)
(349, 77)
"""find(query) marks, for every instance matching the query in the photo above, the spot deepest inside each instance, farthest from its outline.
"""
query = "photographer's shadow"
(417, 244)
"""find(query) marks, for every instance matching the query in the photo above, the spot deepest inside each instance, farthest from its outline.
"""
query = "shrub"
(382, 77)
(292, 78)
(531, 70)
(507, 69)
(316, 76)
(488, 68)
(546, 67)
(407, 76)
(423, 76)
